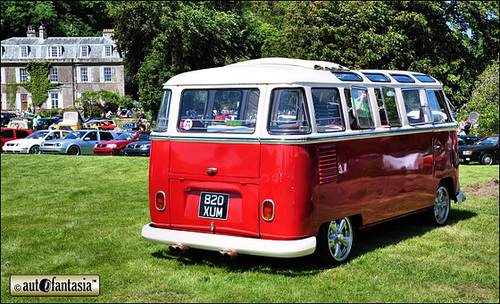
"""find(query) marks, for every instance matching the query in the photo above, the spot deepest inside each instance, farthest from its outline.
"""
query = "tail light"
(160, 201)
(268, 210)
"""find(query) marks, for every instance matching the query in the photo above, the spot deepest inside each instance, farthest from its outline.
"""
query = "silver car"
(31, 144)
(76, 142)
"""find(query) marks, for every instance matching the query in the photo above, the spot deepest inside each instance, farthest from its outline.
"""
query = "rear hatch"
(214, 187)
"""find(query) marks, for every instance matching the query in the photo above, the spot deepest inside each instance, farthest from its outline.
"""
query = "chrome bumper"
(460, 196)
(243, 245)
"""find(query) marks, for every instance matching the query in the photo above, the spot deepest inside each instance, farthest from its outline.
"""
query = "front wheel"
(487, 159)
(73, 150)
(335, 241)
(35, 150)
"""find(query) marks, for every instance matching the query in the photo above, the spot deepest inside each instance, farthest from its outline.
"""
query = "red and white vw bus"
(284, 157)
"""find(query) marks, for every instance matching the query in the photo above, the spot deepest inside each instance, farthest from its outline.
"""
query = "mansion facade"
(78, 64)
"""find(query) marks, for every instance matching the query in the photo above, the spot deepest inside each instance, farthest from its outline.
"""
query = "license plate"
(213, 205)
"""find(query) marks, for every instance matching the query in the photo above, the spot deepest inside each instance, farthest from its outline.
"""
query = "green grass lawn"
(84, 215)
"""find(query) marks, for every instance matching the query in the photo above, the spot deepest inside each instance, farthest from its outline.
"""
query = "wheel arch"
(450, 186)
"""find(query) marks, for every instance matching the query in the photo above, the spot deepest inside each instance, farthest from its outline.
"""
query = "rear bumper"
(243, 245)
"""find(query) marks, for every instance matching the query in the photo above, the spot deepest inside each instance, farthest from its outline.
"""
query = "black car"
(467, 140)
(44, 123)
(138, 148)
(484, 151)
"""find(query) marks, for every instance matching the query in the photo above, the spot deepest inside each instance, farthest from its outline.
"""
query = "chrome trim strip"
(311, 139)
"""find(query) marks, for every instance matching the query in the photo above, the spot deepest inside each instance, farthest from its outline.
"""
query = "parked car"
(31, 144)
(11, 134)
(484, 151)
(72, 121)
(467, 140)
(101, 125)
(76, 143)
(54, 125)
(140, 148)
(45, 123)
(20, 124)
(130, 126)
(116, 146)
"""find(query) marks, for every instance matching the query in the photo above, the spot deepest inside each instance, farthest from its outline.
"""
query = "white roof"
(280, 71)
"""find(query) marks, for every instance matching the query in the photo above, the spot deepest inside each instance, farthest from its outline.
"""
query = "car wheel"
(74, 150)
(438, 215)
(487, 159)
(121, 152)
(335, 241)
(34, 150)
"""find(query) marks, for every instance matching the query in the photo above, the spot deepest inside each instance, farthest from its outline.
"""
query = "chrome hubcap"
(340, 238)
(441, 205)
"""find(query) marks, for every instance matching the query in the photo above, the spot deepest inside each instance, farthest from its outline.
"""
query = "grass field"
(84, 215)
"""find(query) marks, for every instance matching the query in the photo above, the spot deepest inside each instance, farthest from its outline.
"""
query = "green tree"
(39, 84)
(485, 101)
(168, 38)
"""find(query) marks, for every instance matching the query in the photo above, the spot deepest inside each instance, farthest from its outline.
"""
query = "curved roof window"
(424, 78)
(403, 78)
(347, 76)
(377, 77)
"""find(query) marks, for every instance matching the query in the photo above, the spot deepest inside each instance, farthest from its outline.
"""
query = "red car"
(116, 146)
(101, 125)
(11, 134)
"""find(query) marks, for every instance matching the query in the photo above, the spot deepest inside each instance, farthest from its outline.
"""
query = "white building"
(79, 64)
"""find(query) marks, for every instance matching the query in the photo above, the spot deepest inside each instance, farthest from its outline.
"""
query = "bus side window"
(327, 110)
(388, 111)
(438, 106)
(359, 108)
(415, 109)
(288, 112)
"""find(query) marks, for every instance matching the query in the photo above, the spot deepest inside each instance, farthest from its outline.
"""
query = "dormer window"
(84, 51)
(108, 50)
(55, 51)
(25, 51)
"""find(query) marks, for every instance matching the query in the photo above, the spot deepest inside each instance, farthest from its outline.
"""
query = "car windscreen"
(490, 140)
(37, 135)
(75, 135)
(126, 136)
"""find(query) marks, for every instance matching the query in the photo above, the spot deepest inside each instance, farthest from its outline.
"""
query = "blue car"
(484, 151)
(138, 148)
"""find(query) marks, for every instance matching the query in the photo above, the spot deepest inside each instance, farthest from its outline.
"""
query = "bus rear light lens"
(268, 210)
(160, 201)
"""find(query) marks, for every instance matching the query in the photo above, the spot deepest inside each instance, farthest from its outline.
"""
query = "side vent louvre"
(327, 164)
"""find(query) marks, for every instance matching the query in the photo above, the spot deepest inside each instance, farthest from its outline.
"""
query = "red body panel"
(377, 178)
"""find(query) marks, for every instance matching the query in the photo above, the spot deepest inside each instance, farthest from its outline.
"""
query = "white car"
(32, 143)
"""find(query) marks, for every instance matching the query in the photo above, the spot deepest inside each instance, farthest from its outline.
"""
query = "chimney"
(107, 33)
(42, 32)
(31, 32)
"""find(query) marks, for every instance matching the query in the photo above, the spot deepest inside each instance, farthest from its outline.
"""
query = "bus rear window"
(219, 111)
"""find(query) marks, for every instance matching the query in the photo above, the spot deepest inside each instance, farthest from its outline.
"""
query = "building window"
(107, 74)
(84, 75)
(24, 102)
(55, 51)
(23, 75)
(108, 50)
(53, 74)
(84, 50)
(24, 51)
(54, 100)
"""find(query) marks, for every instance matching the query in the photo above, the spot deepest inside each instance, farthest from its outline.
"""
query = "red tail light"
(268, 210)
(160, 201)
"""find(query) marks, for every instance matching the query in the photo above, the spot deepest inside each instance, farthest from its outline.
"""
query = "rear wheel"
(35, 150)
(74, 150)
(438, 215)
(335, 241)
(487, 159)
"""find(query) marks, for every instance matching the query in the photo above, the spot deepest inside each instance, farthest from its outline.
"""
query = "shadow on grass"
(367, 240)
